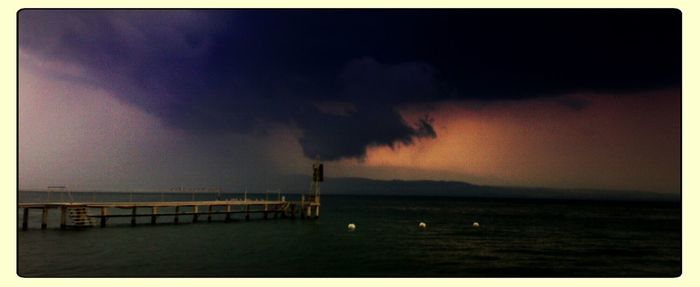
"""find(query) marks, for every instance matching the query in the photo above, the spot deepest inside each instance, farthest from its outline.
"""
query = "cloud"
(373, 89)
(369, 80)
(336, 108)
(340, 136)
(425, 127)
(164, 63)
(242, 71)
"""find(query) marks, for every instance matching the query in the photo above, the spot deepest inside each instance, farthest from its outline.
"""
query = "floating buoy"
(475, 224)
(422, 225)
(351, 226)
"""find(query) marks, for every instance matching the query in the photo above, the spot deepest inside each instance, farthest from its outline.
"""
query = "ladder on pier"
(79, 216)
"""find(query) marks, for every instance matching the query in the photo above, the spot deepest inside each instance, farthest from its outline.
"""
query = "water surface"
(516, 238)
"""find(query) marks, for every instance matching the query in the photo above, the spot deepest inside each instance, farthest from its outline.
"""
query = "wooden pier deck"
(82, 214)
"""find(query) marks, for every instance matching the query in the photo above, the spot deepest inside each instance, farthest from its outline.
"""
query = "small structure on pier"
(311, 202)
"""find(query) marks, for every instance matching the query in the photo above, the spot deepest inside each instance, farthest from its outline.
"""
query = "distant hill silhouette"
(366, 186)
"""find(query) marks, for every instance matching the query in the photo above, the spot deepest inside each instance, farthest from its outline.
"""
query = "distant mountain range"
(365, 186)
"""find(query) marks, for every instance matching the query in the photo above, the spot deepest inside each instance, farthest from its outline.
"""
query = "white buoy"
(475, 224)
(351, 227)
(422, 225)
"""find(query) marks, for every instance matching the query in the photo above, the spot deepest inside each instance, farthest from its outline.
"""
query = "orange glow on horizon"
(621, 142)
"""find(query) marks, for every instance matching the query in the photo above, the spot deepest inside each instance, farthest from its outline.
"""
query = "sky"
(114, 99)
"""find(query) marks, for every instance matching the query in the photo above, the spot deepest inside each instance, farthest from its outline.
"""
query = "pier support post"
(265, 212)
(177, 212)
(209, 215)
(284, 210)
(133, 216)
(318, 208)
(154, 212)
(64, 213)
(25, 219)
(308, 211)
(247, 212)
(228, 213)
(195, 211)
(103, 217)
(44, 217)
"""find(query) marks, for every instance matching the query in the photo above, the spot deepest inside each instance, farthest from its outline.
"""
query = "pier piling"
(177, 215)
(44, 217)
(103, 218)
(154, 212)
(64, 214)
(209, 215)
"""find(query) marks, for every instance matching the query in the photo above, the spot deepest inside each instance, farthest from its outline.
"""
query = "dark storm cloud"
(374, 88)
(239, 71)
(335, 136)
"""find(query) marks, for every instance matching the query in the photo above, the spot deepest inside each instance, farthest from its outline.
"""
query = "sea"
(515, 238)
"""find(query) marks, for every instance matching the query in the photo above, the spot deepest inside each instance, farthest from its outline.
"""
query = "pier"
(85, 214)
(89, 213)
